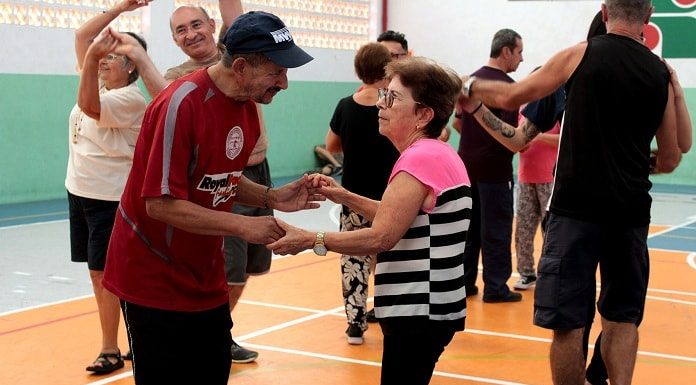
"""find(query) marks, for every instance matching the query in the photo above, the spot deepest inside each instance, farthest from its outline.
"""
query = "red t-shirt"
(193, 145)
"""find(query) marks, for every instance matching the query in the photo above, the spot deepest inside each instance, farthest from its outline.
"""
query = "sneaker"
(509, 297)
(525, 282)
(370, 316)
(241, 355)
(355, 334)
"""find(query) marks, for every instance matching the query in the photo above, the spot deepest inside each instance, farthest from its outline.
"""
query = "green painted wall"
(34, 113)
(33, 132)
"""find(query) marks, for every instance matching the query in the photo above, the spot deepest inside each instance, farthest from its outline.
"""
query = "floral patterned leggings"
(355, 273)
(531, 209)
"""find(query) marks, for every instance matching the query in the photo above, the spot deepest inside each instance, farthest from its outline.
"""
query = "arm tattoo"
(530, 131)
(497, 125)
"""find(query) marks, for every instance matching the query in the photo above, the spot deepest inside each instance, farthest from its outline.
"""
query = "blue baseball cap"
(263, 32)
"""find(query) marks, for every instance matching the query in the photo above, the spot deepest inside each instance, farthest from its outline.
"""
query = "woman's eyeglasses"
(389, 97)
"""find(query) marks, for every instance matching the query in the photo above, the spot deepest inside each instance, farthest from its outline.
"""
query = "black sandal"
(105, 365)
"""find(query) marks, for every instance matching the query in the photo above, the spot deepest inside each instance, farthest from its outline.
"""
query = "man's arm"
(152, 79)
(294, 196)
(668, 152)
(197, 219)
(509, 96)
(230, 10)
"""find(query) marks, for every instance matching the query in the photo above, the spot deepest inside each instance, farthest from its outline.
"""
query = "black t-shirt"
(616, 100)
(368, 156)
(485, 159)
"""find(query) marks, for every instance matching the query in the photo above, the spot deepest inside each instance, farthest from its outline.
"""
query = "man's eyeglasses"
(398, 55)
(389, 97)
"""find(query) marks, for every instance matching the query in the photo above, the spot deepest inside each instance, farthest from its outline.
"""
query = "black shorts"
(91, 222)
(241, 257)
(566, 286)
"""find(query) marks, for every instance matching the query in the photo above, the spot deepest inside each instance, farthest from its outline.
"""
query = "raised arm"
(85, 35)
(88, 90)
(152, 79)
(548, 78)
(230, 10)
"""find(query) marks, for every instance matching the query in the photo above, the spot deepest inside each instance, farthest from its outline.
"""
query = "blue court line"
(680, 238)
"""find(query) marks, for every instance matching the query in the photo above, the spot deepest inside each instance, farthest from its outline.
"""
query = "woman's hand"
(329, 188)
(298, 195)
(294, 241)
(101, 46)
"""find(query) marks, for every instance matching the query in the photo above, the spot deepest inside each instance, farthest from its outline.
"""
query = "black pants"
(160, 338)
(490, 233)
(410, 359)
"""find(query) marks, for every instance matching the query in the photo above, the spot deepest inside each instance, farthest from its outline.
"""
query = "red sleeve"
(172, 149)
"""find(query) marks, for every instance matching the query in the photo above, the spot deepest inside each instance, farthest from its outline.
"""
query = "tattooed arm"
(514, 138)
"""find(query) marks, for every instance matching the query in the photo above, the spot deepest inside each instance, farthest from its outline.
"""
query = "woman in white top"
(104, 126)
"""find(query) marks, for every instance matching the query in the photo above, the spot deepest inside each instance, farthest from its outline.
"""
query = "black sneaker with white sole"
(241, 355)
(525, 282)
(354, 334)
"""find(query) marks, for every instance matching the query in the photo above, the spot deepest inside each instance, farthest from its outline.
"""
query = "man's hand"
(262, 230)
(297, 195)
(294, 241)
(101, 46)
(128, 46)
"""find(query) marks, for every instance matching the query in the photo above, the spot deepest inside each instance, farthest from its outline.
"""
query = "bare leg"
(619, 348)
(109, 313)
(567, 359)
(235, 293)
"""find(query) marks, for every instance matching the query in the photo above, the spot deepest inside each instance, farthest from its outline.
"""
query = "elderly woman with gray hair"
(103, 128)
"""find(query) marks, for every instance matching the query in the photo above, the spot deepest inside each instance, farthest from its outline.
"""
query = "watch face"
(320, 250)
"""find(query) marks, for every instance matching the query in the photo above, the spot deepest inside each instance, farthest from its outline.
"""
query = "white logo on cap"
(281, 35)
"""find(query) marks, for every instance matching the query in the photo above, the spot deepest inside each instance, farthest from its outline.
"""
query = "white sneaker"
(525, 282)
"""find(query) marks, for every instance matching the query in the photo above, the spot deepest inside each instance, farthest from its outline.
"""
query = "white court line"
(45, 305)
(691, 260)
(321, 313)
(685, 224)
(32, 224)
(377, 364)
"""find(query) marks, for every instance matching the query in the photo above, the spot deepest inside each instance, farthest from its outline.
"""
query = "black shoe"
(128, 356)
(471, 291)
(510, 297)
(355, 334)
(370, 316)
(241, 355)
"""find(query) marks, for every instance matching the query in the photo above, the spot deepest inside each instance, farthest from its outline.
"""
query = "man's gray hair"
(255, 59)
(503, 38)
(633, 11)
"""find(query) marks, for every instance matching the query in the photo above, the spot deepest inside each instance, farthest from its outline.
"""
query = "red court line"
(48, 322)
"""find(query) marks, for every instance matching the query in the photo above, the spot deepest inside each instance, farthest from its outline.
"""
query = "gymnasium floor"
(294, 315)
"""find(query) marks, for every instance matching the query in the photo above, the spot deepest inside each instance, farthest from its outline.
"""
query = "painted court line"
(376, 364)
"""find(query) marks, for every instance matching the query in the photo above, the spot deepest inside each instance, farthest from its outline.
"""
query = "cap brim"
(291, 57)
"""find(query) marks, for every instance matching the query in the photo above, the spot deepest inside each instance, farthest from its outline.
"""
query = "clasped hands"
(293, 240)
